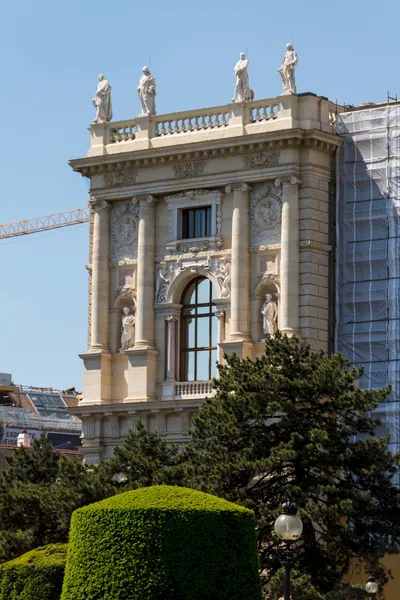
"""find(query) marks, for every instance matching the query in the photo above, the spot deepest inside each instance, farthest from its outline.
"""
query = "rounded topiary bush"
(35, 575)
(165, 543)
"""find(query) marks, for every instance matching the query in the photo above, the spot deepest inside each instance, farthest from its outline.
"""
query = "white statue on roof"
(287, 70)
(147, 92)
(102, 101)
(243, 93)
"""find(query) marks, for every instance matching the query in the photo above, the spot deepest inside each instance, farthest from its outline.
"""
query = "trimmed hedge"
(165, 543)
(38, 574)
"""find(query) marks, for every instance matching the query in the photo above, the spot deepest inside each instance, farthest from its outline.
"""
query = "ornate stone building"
(196, 217)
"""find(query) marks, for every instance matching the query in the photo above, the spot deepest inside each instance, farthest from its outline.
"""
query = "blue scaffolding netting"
(368, 253)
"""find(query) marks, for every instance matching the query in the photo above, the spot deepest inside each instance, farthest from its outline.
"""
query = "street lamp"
(288, 527)
(371, 587)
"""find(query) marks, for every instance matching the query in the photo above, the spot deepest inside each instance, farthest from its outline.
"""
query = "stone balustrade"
(190, 389)
(305, 111)
(186, 123)
(123, 132)
(263, 110)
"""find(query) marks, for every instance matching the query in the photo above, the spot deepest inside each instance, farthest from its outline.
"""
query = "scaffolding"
(368, 252)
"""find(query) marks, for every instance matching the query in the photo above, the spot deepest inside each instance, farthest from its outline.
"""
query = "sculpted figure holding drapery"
(128, 330)
(269, 312)
(243, 93)
(147, 92)
(287, 70)
(102, 101)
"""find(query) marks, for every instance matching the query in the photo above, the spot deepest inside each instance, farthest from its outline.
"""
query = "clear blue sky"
(51, 54)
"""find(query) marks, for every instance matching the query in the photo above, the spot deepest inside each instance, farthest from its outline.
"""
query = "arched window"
(199, 331)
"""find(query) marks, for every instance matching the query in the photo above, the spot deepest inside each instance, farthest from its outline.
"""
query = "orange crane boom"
(63, 219)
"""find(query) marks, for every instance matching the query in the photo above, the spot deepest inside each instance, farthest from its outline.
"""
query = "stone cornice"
(318, 246)
(171, 155)
(130, 408)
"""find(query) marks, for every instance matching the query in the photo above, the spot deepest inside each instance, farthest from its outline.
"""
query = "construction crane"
(63, 219)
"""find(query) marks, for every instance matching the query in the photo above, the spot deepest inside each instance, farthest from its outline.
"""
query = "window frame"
(193, 199)
(197, 316)
(187, 228)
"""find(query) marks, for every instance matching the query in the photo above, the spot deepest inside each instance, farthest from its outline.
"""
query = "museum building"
(209, 229)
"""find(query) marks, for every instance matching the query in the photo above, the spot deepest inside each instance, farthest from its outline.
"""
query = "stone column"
(220, 314)
(99, 333)
(144, 334)
(240, 272)
(171, 346)
(289, 262)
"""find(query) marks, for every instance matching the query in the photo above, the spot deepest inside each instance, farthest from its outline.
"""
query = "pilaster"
(240, 282)
(289, 261)
(144, 335)
(100, 279)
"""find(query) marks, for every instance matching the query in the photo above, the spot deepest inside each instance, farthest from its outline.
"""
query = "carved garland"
(117, 178)
(189, 169)
(268, 159)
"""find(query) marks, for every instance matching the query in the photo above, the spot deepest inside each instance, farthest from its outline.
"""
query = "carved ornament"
(124, 225)
(117, 178)
(262, 159)
(266, 214)
(189, 169)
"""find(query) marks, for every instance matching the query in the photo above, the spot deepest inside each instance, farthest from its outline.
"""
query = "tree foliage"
(38, 494)
(293, 424)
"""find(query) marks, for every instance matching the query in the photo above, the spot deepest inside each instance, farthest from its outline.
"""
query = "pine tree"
(293, 424)
(143, 459)
(38, 493)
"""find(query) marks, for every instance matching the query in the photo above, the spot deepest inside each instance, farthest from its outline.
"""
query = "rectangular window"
(196, 222)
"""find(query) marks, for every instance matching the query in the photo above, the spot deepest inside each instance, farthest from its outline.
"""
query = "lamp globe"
(288, 526)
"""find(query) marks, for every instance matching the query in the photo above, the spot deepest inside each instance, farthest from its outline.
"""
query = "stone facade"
(262, 172)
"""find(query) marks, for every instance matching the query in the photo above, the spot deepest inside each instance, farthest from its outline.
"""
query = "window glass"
(203, 365)
(199, 332)
(196, 222)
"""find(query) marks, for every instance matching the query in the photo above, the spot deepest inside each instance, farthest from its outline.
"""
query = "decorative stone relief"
(116, 178)
(191, 247)
(125, 278)
(114, 424)
(267, 279)
(124, 222)
(88, 428)
(221, 267)
(267, 263)
(266, 213)
(165, 275)
(185, 422)
(262, 159)
(189, 169)
(161, 422)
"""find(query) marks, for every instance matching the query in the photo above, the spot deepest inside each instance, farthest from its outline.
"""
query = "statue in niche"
(147, 92)
(287, 70)
(102, 101)
(269, 312)
(243, 93)
(128, 330)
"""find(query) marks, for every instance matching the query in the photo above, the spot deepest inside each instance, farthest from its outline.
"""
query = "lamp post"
(371, 587)
(288, 528)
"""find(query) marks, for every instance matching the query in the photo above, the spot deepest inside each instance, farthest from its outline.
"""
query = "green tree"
(143, 459)
(38, 494)
(292, 424)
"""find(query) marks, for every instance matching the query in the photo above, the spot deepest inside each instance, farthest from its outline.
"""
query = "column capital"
(219, 314)
(171, 318)
(293, 180)
(237, 187)
(147, 198)
(97, 204)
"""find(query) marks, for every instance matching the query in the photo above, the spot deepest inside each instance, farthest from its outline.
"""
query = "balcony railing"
(194, 389)
(230, 120)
